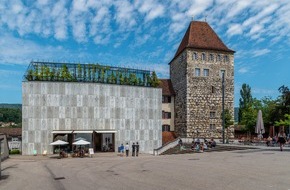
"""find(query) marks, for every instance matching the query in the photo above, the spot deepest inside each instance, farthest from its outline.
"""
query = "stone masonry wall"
(134, 112)
(178, 78)
(204, 100)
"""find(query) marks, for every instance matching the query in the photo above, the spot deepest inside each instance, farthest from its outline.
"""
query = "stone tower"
(196, 75)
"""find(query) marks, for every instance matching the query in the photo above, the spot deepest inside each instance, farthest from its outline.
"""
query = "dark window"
(212, 114)
(206, 72)
(211, 57)
(166, 115)
(165, 127)
(219, 57)
(212, 89)
(195, 56)
(226, 58)
(166, 99)
(212, 126)
(203, 57)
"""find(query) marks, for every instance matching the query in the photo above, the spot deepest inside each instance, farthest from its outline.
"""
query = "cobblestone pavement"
(241, 169)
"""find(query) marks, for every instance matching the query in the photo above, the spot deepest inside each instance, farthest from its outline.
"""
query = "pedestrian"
(133, 149)
(122, 150)
(137, 149)
(127, 149)
(281, 139)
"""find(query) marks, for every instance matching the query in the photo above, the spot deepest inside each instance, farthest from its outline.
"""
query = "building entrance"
(104, 142)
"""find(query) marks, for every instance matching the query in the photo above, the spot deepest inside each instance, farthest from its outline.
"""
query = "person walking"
(281, 139)
(133, 149)
(137, 149)
(127, 149)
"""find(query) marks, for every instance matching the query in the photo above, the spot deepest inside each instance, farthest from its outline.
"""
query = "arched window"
(203, 57)
(211, 57)
(226, 58)
(219, 57)
(195, 56)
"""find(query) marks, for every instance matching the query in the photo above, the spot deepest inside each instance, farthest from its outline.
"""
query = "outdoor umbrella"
(59, 143)
(81, 142)
(260, 129)
(80, 138)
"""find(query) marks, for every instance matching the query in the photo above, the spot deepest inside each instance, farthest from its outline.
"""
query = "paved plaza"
(241, 169)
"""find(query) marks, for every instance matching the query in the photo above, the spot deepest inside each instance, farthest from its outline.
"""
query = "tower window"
(212, 126)
(219, 57)
(166, 115)
(197, 72)
(206, 72)
(211, 57)
(212, 89)
(195, 56)
(223, 72)
(212, 114)
(203, 57)
(226, 58)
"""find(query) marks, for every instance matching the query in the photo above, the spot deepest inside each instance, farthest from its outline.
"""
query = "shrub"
(15, 151)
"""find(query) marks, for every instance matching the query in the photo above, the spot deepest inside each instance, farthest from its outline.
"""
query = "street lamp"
(223, 104)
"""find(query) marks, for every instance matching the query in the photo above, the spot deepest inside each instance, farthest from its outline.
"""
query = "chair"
(44, 153)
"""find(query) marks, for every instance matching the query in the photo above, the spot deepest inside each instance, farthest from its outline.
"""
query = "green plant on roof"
(52, 74)
(29, 75)
(35, 73)
(89, 72)
(148, 80)
(65, 74)
(154, 80)
(94, 70)
(140, 82)
(133, 79)
(79, 71)
(121, 79)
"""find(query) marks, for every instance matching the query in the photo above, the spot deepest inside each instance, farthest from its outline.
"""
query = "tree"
(245, 100)
(154, 80)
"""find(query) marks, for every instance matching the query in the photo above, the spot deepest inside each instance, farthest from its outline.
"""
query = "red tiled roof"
(166, 86)
(200, 35)
(14, 132)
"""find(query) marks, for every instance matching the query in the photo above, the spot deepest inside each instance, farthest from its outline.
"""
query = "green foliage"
(121, 79)
(285, 122)
(65, 74)
(154, 80)
(15, 151)
(89, 72)
(29, 75)
(228, 118)
(11, 115)
(133, 79)
(94, 70)
(79, 72)
(246, 100)
(140, 82)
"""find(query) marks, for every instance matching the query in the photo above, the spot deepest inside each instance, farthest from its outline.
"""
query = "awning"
(83, 131)
(61, 132)
(107, 131)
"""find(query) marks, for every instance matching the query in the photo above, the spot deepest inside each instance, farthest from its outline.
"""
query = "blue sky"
(143, 34)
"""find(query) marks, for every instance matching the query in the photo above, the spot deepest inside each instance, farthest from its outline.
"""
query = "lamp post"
(223, 104)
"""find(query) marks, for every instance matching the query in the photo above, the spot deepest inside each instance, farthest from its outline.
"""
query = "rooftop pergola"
(96, 73)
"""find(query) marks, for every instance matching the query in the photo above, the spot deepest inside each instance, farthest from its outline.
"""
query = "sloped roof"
(200, 35)
(167, 88)
(9, 131)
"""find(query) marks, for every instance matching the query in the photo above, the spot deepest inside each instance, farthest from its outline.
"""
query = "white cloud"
(260, 52)
(243, 70)
(234, 29)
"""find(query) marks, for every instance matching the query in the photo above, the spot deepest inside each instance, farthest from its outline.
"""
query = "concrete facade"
(134, 112)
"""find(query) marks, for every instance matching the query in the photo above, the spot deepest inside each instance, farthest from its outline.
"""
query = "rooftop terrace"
(76, 72)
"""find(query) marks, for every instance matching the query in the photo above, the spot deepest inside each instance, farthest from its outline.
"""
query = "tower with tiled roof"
(196, 75)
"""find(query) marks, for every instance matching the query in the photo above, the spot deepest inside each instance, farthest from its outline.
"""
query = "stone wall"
(204, 93)
(134, 112)
(178, 74)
